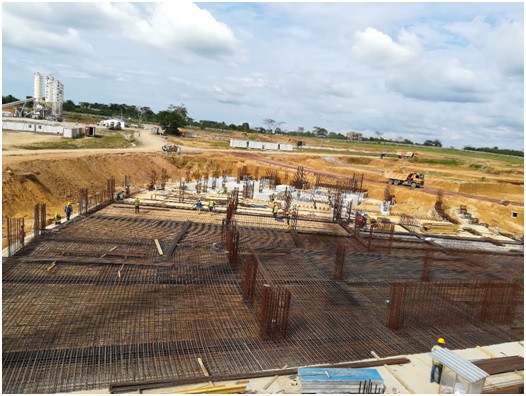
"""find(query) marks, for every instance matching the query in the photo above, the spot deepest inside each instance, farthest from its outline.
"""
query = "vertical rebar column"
(370, 239)
(391, 237)
(164, 177)
(256, 173)
(182, 187)
(83, 201)
(205, 183)
(340, 260)
(127, 185)
(517, 290)
(428, 261)
(274, 312)
(110, 190)
(36, 222)
(43, 219)
(198, 186)
(396, 302)
(294, 219)
(249, 280)
(13, 234)
(235, 195)
(349, 209)
(337, 211)
(232, 243)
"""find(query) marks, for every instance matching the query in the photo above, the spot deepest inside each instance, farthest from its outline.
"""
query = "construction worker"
(137, 204)
(57, 218)
(288, 218)
(211, 207)
(436, 365)
(199, 206)
(68, 209)
(22, 235)
(275, 210)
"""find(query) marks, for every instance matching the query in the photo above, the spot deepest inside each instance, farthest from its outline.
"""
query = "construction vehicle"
(406, 179)
(406, 154)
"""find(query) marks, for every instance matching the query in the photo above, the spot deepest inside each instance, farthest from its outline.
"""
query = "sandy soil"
(55, 176)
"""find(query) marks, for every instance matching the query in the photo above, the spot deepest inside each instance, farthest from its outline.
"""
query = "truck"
(405, 154)
(406, 179)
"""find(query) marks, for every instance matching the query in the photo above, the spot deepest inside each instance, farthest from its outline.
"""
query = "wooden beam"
(126, 387)
(486, 352)
(394, 374)
(274, 378)
(159, 249)
(204, 370)
(51, 266)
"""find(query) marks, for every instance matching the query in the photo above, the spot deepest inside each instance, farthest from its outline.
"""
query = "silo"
(49, 88)
(37, 87)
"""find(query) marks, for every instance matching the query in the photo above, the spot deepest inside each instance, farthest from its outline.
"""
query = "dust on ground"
(55, 177)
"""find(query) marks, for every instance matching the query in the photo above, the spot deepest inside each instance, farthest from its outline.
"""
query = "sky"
(419, 71)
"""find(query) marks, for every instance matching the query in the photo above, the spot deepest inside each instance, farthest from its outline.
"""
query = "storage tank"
(37, 87)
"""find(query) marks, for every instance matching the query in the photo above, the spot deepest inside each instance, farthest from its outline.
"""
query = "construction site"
(127, 298)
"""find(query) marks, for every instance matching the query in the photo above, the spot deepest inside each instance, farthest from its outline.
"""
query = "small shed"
(459, 375)
(90, 131)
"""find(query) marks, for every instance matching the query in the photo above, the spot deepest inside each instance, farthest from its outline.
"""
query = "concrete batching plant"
(47, 105)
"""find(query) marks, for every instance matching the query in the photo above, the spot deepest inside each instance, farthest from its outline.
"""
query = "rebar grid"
(76, 325)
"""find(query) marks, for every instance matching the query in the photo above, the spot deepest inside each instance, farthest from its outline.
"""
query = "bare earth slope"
(55, 176)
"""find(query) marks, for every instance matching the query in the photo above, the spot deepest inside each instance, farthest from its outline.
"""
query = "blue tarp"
(338, 374)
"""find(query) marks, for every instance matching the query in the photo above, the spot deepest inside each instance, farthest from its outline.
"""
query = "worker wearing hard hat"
(436, 365)
(57, 218)
(68, 209)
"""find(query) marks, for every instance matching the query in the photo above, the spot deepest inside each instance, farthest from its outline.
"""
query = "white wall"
(41, 128)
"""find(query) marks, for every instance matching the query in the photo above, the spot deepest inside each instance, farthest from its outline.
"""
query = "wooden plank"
(500, 365)
(394, 374)
(159, 249)
(51, 266)
(122, 387)
(218, 390)
(486, 351)
(204, 370)
(274, 378)
(92, 260)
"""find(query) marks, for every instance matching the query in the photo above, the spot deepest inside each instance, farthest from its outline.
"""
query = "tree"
(172, 119)
(379, 134)
(320, 131)
(434, 143)
(269, 122)
(9, 99)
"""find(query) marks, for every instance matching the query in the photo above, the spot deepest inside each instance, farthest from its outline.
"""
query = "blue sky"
(447, 71)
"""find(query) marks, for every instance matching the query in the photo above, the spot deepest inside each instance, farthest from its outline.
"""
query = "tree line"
(175, 117)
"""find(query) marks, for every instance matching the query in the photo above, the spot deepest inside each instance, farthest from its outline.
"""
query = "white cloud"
(175, 27)
(378, 50)
(23, 33)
